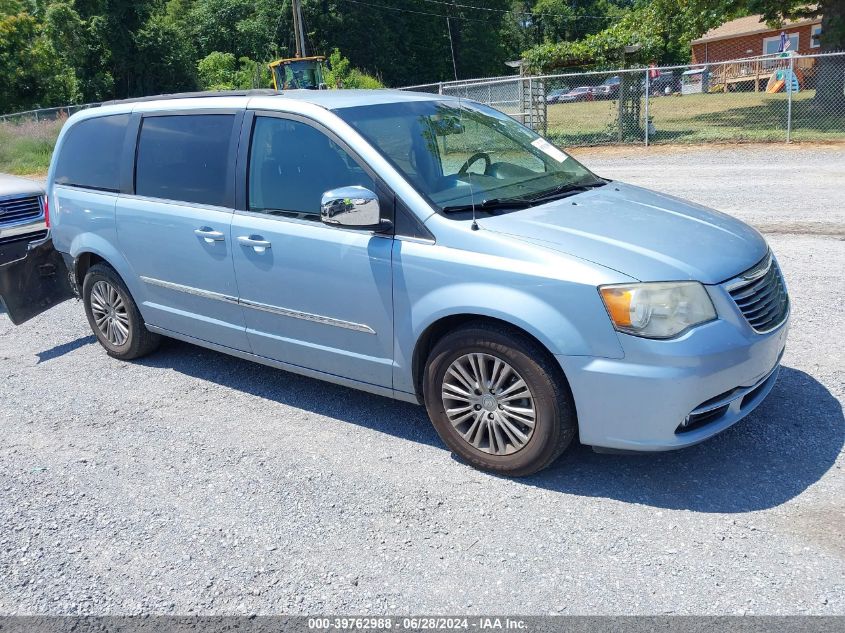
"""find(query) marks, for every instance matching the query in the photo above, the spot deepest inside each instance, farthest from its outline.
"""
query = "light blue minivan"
(413, 246)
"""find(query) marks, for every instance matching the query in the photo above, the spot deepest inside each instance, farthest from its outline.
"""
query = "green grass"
(26, 148)
(702, 118)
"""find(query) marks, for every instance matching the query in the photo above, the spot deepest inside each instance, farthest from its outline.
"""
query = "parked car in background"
(582, 93)
(665, 84)
(554, 95)
(22, 215)
(608, 89)
(353, 236)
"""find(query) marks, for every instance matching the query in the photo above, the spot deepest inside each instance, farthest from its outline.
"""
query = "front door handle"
(256, 242)
(209, 234)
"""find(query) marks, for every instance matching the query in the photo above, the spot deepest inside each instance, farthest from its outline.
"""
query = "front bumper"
(707, 380)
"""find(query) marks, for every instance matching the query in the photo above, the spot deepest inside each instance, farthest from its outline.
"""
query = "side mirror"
(351, 207)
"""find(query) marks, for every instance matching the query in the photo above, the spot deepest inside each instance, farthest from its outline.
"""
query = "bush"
(340, 74)
(221, 71)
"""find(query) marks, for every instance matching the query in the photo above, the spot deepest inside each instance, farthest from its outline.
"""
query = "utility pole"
(452, 47)
(298, 30)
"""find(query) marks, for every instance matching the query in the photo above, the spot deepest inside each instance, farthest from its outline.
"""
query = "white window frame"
(776, 38)
(815, 36)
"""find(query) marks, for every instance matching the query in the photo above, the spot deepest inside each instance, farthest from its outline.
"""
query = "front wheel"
(497, 399)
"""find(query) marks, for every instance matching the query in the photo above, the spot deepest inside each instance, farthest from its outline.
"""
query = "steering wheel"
(477, 156)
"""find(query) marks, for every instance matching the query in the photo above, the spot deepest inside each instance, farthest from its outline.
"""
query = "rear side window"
(185, 158)
(90, 153)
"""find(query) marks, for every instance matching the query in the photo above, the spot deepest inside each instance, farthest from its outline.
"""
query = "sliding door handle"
(209, 234)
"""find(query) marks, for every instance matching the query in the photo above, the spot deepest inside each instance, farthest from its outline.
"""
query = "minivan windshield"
(463, 155)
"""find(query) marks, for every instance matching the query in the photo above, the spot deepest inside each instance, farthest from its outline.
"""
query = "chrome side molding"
(197, 292)
(293, 314)
(305, 316)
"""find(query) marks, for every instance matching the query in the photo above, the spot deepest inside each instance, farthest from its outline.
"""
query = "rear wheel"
(113, 315)
(497, 399)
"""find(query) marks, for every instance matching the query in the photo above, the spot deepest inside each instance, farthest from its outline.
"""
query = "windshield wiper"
(568, 189)
(490, 205)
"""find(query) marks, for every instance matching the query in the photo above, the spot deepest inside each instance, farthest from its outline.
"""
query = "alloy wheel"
(489, 404)
(110, 313)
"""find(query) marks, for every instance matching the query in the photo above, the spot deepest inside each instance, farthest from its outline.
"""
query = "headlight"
(657, 310)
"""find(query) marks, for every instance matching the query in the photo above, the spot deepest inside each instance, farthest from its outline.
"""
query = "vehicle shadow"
(65, 348)
(775, 454)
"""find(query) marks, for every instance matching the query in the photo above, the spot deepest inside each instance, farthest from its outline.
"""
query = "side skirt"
(295, 369)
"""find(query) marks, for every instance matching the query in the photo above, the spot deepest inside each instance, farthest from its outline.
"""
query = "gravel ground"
(778, 188)
(192, 482)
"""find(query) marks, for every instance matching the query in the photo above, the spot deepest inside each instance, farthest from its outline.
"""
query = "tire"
(107, 299)
(504, 443)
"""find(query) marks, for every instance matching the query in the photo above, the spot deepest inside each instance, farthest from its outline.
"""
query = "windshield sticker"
(547, 148)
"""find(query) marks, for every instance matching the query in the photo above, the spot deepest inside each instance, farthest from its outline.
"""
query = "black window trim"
(232, 155)
(386, 195)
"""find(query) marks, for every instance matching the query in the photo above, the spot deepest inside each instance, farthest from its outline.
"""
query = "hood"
(14, 186)
(643, 234)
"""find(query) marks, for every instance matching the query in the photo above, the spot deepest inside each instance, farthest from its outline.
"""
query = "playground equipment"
(785, 79)
(695, 81)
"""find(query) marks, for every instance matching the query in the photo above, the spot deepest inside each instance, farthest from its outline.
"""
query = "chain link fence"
(45, 114)
(785, 97)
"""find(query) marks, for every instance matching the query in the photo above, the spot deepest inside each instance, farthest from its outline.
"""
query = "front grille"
(19, 209)
(26, 238)
(760, 294)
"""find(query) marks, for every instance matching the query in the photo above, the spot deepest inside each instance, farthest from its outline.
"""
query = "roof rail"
(199, 95)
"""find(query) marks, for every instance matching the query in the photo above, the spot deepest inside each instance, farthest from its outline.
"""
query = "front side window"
(291, 166)
(90, 153)
(459, 154)
(185, 158)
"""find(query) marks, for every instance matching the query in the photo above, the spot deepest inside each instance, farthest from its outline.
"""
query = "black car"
(665, 84)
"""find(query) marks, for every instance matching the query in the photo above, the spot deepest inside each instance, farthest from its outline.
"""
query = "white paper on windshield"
(547, 148)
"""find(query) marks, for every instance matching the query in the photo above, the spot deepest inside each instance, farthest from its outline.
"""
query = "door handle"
(255, 242)
(209, 234)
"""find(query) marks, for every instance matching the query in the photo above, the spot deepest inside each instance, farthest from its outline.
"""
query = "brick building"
(751, 37)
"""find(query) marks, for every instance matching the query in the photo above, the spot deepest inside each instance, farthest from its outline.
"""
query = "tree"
(10, 7)
(31, 75)
(216, 26)
(662, 28)
(80, 45)
(164, 60)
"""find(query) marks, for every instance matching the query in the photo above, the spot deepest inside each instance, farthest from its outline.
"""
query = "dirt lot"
(192, 482)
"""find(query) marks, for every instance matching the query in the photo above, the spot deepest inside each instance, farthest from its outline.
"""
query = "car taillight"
(46, 212)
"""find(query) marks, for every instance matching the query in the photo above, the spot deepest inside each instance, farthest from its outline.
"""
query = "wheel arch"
(88, 249)
(446, 324)
(83, 262)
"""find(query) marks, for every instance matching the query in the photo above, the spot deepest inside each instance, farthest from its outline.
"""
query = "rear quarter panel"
(83, 220)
